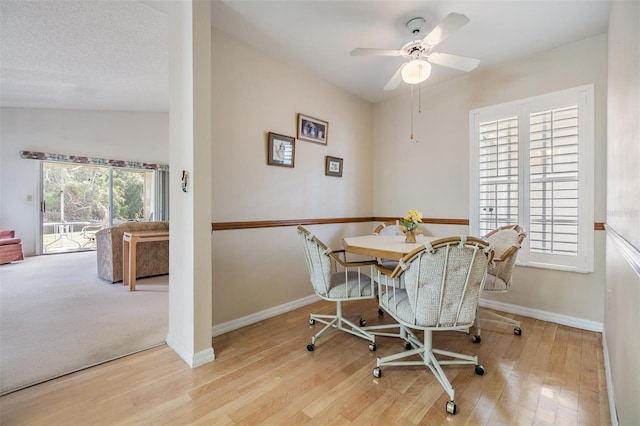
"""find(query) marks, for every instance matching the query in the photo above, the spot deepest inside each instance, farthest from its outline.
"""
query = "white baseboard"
(219, 329)
(203, 357)
(225, 327)
(543, 315)
(609, 378)
(192, 359)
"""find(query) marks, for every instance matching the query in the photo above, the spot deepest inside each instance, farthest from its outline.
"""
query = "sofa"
(152, 257)
(10, 247)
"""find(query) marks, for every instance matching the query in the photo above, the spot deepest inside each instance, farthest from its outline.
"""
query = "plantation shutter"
(532, 164)
(498, 173)
(553, 180)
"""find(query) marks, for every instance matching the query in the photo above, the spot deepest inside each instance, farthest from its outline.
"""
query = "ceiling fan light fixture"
(416, 71)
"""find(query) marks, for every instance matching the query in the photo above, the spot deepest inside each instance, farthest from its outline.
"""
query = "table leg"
(68, 233)
(132, 264)
(125, 261)
(58, 236)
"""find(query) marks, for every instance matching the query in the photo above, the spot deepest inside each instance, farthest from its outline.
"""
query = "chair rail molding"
(628, 251)
(255, 224)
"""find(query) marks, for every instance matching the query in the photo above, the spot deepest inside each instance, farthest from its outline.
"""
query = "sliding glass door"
(79, 200)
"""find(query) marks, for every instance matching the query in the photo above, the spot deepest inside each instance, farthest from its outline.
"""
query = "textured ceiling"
(113, 55)
(71, 54)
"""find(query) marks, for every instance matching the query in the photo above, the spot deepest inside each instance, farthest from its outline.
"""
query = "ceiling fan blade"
(453, 61)
(395, 80)
(364, 51)
(450, 24)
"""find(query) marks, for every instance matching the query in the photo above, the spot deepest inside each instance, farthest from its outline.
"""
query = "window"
(532, 164)
(79, 199)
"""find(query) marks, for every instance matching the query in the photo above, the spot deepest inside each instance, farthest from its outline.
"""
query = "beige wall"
(254, 94)
(622, 316)
(623, 175)
(432, 174)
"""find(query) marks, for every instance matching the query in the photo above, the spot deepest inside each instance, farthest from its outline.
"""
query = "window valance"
(65, 158)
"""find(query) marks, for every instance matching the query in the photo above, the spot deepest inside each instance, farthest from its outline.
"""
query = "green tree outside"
(80, 193)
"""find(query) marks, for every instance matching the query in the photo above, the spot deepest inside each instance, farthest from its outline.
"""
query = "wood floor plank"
(264, 375)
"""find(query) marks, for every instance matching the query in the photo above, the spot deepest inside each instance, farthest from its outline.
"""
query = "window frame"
(583, 97)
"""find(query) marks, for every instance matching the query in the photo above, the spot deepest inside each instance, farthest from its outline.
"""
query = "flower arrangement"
(411, 220)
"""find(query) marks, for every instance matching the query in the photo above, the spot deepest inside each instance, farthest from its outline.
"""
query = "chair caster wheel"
(451, 407)
(372, 347)
(377, 372)
(407, 345)
(517, 331)
(363, 322)
(311, 347)
(380, 312)
(476, 339)
(479, 370)
(312, 321)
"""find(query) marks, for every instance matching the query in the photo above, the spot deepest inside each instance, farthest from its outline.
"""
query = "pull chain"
(419, 108)
(411, 112)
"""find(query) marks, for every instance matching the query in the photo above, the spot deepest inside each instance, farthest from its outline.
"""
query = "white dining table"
(393, 247)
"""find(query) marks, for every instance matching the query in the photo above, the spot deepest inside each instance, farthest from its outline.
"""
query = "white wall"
(190, 150)
(115, 135)
(623, 211)
(432, 174)
(254, 94)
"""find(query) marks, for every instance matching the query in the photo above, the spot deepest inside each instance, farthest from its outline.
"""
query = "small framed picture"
(281, 150)
(333, 166)
(312, 129)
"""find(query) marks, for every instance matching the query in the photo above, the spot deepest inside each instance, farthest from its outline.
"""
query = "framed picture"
(281, 150)
(312, 130)
(333, 166)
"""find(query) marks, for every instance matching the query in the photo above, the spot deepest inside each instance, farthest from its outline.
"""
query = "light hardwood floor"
(263, 374)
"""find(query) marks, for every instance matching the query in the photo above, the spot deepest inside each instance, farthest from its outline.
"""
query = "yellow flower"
(411, 220)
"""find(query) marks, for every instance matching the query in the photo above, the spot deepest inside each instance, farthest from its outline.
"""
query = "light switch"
(29, 197)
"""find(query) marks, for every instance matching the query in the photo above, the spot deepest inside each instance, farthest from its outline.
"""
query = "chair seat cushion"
(493, 283)
(353, 287)
(389, 264)
(9, 241)
(397, 304)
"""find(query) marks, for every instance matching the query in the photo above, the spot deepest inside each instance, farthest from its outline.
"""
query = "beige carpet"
(57, 316)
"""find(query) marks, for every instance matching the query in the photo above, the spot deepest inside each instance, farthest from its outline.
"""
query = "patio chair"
(506, 241)
(442, 283)
(337, 280)
(88, 233)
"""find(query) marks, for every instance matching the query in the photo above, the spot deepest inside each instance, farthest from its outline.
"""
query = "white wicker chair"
(389, 228)
(506, 242)
(443, 281)
(336, 280)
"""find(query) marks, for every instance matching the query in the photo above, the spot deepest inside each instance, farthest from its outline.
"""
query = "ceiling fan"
(420, 52)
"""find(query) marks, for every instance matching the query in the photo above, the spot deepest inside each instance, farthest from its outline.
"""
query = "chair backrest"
(506, 242)
(318, 258)
(443, 280)
(389, 228)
